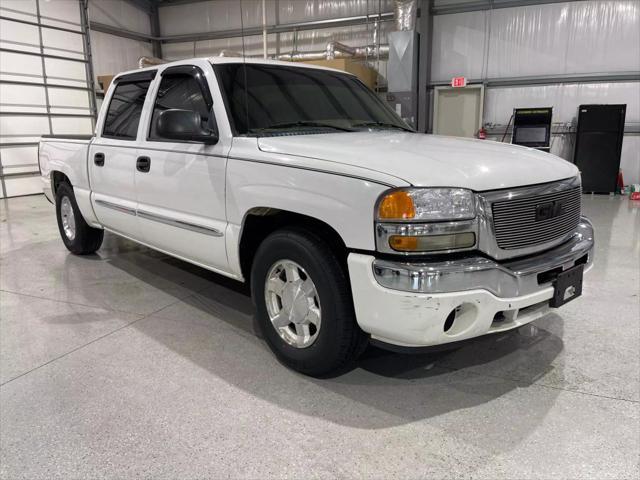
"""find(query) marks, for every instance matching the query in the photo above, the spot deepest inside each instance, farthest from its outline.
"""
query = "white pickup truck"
(350, 227)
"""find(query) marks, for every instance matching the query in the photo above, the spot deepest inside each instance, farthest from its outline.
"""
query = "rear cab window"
(125, 107)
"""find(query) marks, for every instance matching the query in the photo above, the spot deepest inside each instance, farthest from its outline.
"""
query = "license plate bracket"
(567, 286)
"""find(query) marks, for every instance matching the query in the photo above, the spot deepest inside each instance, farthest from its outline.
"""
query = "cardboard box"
(366, 74)
(104, 81)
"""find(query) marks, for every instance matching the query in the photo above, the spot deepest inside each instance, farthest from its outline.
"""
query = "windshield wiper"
(381, 124)
(303, 123)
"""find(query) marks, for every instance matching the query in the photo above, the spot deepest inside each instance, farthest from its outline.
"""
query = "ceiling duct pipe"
(144, 62)
(333, 47)
(405, 14)
(332, 51)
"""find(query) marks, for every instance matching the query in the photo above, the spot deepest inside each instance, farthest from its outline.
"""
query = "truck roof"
(222, 60)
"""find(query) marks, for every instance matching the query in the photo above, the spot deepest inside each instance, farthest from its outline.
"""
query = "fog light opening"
(460, 319)
(448, 323)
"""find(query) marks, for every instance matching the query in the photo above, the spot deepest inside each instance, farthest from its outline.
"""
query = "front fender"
(345, 203)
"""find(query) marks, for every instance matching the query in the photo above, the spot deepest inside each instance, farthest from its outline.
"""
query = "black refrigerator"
(599, 145)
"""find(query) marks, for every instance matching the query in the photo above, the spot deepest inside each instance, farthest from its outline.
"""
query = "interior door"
(458, 111)
(181, 184)
(112, 156)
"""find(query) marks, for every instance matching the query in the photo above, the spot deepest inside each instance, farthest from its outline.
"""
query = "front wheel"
(303, 303)
(77, 235)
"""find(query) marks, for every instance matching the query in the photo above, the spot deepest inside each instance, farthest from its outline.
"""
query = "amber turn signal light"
(397, 205)
(432, 243)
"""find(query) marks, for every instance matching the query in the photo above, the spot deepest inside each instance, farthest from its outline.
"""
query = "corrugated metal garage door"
(45, 84)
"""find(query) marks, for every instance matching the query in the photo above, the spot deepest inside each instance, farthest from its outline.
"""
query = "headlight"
(427, 205)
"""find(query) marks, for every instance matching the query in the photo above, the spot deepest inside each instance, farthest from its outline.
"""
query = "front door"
(112, 156)
(181, 184)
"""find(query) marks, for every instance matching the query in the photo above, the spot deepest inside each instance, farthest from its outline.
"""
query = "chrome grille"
(516, 225)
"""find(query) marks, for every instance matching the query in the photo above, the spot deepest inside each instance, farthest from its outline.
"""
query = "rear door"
(113, 154)
(181, 186)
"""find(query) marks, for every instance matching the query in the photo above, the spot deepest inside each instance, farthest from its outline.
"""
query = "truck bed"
(66, 154)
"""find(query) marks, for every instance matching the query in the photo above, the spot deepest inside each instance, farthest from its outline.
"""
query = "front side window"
(125, 108)
(180, 91)
(270, 99)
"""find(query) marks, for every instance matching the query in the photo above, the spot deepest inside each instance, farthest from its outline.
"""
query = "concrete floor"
(132, 364)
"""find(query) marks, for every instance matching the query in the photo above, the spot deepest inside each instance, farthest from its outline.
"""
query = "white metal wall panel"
(500, 102)
(64, 44)
(528, 41)
(547, 39)
(20, 159)
(21, 9)
(65, 72)
(604, 37)
(22, 98)
(19, 36)
(64, 100)
(22, 185)
(71, 125)
(216, 15)
(121, 14)
(107, 62)
(178, 51)
(61, 13)
(29, 111)
(458, 45)
(630, 161)
(16, 66)
(23, 125)
(212, 16)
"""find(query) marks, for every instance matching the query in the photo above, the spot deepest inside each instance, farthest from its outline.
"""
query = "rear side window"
(125, 108)
(181, 91)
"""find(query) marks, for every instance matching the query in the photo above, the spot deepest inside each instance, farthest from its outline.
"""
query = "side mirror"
(184, 125)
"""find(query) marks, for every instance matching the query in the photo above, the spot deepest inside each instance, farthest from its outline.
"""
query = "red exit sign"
(458, 82)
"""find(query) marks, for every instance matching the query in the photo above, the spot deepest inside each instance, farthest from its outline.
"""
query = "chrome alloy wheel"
(68, 219)
(293, 303)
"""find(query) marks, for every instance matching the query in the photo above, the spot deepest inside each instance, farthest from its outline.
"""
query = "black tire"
(339, 339)
(86, 239)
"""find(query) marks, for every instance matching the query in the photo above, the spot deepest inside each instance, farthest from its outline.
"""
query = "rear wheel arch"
(57, 177)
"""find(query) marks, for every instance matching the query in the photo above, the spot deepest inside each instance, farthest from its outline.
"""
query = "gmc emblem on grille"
(548, 210)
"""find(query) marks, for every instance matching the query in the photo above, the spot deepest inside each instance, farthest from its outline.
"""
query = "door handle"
(98, 159)
(143, 164)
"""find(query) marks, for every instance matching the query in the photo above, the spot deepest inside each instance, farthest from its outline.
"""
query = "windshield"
(274, 99)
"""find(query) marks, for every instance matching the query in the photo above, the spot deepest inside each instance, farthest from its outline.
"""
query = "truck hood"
(429, 160)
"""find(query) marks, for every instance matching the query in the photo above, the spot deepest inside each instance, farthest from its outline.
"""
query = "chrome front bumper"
(506, 279)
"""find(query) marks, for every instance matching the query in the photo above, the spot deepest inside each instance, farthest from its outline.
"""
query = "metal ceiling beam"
(40, 25)
(551, 80)
(479, 5)
(121, 32)
(43, 55)
(168, 3)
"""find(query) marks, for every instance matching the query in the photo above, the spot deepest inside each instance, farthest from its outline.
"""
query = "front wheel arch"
(260, 222)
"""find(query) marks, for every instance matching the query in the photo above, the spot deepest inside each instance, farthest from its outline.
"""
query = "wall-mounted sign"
(458, 82)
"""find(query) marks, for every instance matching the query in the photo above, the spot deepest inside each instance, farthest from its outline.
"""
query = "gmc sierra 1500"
(349, 226)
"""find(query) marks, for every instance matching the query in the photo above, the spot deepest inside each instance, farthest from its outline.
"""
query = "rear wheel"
(77, 235)
(303, 303)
